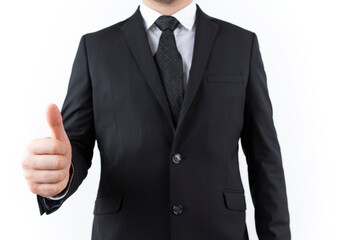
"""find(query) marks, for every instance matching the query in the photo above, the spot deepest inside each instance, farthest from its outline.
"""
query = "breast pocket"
(224, 78)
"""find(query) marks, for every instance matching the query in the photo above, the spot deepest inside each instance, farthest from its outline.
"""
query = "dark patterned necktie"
(169, 63)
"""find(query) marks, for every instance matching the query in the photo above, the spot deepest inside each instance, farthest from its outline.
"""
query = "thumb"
(54, 119)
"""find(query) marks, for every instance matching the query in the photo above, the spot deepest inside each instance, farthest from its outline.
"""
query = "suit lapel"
(206, 31)
(136, 38)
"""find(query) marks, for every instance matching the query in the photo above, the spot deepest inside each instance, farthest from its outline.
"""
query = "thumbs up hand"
(47, 161)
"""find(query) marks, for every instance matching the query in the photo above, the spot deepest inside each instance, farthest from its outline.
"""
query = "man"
(167, 94)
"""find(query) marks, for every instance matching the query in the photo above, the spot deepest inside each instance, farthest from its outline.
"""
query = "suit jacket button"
(176, 158)
(177, 209)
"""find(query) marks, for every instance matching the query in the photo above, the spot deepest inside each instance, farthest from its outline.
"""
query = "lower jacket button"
(177, 209)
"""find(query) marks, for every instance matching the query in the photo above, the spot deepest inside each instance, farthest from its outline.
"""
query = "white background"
(297, 39)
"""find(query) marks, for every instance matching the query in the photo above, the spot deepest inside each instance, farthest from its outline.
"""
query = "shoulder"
(104, 33)
(229, 29)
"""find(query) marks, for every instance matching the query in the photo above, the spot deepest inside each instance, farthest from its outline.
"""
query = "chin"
(165, 1)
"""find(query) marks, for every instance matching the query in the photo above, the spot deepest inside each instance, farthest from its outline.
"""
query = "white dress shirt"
(184, 35)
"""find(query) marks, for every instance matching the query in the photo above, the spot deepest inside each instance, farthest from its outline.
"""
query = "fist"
(47, 160)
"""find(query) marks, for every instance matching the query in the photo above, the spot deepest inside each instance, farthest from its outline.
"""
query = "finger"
(47, 146)
(48, 190)
(45, 176)
(55, 122)
(48, 162)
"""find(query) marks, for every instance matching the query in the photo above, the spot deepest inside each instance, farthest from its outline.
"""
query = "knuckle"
(27, 175)
(64, 184)
(46, 176)
(30, 146)
(67, 147)
(59, 176)
(25, 163)
(34, 164)
(55, 146)
(43, 190)
(46, 190)
(34, 188)
(57, 189)
(59, 162)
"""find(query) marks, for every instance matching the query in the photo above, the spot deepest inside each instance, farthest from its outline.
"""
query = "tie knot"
(166, 22)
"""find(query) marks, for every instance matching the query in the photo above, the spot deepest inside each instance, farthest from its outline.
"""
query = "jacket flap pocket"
(108, 204)
(235, 200)
(222, 78)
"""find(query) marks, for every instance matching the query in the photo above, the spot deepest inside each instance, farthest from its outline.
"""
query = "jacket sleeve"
(261, 148)
(78, 121)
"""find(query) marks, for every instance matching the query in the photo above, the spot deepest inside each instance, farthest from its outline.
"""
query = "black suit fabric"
(115, 97)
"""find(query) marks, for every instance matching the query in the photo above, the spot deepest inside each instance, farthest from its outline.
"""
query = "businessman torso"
(164, 182)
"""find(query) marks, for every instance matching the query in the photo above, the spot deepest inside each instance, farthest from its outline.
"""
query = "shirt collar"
(185, 16)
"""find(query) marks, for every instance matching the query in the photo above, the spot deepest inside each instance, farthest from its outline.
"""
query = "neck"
(167, 7)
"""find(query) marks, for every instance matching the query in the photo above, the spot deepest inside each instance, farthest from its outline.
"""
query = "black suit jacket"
(115, 96)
